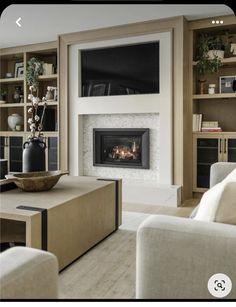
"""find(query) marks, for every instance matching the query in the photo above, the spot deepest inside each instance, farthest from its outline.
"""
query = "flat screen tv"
(123, 70)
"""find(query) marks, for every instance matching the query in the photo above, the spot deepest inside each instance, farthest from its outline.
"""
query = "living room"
(118, 140)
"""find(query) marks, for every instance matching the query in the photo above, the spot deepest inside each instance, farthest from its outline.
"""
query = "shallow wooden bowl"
(36, 181)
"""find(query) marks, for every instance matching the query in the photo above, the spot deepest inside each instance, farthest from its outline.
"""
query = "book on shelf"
(210, 124)
(211, 129)
(197, 122)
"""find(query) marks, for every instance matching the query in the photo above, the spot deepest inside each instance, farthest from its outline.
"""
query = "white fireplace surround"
(158, 104)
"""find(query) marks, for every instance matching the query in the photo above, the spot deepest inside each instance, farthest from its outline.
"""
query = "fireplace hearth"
(125, 147)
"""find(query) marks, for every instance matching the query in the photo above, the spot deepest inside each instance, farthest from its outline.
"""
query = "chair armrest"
(219, 171)
(28, 273)
(177, 256)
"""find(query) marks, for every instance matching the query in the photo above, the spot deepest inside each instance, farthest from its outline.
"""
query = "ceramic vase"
(14, 120)
(34, 155)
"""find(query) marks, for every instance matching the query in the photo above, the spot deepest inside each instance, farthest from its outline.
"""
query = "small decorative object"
(21, 99)
(18, 127)
(18, 66)
(233, 49)
(211, 89)
(3, 168)
(14, 120)
(3, 95)
(9, 75)
(47, 69)
(51, 94)
(20, 72)
(34, 155)
(201, 82)
(17, 94)
(36, 181)
(227, 84)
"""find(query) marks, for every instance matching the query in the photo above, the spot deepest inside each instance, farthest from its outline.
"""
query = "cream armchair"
(27, 273)
(177, 256)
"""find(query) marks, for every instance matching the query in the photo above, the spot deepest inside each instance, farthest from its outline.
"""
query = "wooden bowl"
(36, 181)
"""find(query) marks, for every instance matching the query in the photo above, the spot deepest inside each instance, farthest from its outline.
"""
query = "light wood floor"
(108, 270)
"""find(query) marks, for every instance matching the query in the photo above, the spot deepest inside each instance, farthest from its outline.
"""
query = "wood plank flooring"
(108, 270)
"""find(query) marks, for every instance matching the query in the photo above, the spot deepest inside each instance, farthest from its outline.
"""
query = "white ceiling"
(42, 23)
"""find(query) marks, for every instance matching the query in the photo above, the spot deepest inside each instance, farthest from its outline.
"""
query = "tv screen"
(123, 70)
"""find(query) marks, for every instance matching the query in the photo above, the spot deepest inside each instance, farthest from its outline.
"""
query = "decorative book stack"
(197, 122)
(210, 126)
(204, 126)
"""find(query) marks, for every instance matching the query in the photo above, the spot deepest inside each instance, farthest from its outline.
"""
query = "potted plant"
(34, 148)
(3, 95)
(208, 59)
(216, 47)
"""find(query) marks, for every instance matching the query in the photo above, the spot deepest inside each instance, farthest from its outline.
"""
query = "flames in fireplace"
(123, 152)
(121, 147)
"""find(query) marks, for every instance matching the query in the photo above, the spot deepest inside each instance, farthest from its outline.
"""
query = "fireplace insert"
(125, 147)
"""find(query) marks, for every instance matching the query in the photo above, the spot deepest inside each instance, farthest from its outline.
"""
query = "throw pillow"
(226, 212)
(219, 203)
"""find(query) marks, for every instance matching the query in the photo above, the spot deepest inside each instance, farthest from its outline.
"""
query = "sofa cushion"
(226, 211)
(219, 203)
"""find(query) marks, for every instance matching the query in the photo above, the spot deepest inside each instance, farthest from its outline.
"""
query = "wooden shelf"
(214, 133)
(26, 133)
(12, 80)
(48, 77)
(50, 133)
(214, 96)
(11, 105)
(49, 103)
(231, 60)
(12, 133)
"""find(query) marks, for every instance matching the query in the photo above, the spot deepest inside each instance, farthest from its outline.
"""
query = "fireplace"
(126, 147)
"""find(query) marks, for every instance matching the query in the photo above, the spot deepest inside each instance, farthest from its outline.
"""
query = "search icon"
(219, 285)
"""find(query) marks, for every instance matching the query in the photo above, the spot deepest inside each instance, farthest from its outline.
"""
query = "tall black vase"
(34, 156)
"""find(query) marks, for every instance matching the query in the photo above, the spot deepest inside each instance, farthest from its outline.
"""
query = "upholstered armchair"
(27, 273)
(177, 256)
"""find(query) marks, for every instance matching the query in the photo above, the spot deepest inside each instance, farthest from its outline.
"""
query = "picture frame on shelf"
(19, 66)
(227, 84)
(20, 72)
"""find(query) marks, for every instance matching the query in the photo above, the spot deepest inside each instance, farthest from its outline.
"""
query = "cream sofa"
(177, 256)
(27, 273)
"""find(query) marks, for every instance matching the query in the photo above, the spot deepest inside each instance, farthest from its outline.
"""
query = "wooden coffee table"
(68, 220)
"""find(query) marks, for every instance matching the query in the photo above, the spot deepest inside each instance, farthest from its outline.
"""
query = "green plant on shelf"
(207, 64)
(33, 70)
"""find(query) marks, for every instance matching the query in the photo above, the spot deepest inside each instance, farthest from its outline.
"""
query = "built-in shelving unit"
(211, 147)
(10, 59)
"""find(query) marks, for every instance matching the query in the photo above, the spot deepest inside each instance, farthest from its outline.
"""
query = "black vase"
(34, 156)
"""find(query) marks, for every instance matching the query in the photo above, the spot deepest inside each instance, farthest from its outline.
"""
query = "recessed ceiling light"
(221, 21)
(213, 21)
(217, 21)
